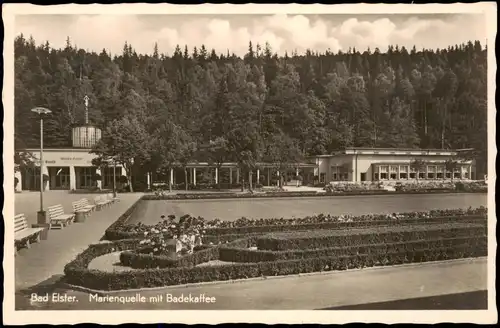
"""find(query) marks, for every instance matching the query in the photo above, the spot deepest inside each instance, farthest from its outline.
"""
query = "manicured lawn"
(149, 212)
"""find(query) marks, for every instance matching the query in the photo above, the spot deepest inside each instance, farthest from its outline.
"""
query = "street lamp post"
(114, 178)
(41, 217)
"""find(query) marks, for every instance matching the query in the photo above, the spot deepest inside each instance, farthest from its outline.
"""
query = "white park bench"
(23, 234)
(58, 218)
(86, 203)
(101, 201)
(81, 207)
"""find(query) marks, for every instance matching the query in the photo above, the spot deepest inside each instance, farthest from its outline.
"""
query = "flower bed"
(374, 235)
(351, 187)
(441, 185)
(136, 260)
(245, 255)
(77, 272)
(217, 230)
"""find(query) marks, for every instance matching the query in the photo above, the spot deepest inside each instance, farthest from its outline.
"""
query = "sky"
(233, 32)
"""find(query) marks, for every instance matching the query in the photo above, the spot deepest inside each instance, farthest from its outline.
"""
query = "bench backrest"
(55, 211)
(85, 201)
(20, 223)
(78, 205)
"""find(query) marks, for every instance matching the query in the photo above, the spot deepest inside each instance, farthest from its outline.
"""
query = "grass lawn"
(149, 212)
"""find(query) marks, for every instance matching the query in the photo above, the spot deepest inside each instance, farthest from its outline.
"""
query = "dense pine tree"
(317, 102)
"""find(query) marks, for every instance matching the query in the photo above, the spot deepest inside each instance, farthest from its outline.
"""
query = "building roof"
(68, 149)
(389, 151)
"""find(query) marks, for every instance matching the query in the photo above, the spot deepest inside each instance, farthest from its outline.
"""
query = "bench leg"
(27, 243)
(38, 237)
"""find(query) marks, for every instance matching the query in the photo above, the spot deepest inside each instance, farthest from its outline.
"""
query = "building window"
(59, 178)
(456, 174)
(440, 172)
(394, 172)
(84, 177)
(403, 171)
(375, 173)
(431, 172)
(336, 175)
(421, 175)
(383, 172)
(413, 173)
(363, 176)
(322, 177)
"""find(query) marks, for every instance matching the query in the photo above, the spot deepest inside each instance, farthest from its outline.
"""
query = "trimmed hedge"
(214, 235)
(342, 225)
(245, 255)
(77, 272)
(113, 232)
(374, 235)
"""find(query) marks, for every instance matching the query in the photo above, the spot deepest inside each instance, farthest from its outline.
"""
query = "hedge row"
(378, 235)
(343, 225)
(113, 232)
(214, 235)
(77, 272)
(245, 255)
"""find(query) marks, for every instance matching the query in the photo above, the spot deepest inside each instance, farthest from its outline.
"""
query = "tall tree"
(118, 145)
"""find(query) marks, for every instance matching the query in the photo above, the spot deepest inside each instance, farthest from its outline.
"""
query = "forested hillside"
(262, 105)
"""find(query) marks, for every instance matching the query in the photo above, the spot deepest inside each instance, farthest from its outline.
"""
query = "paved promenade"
(308, 292)
(47, 258)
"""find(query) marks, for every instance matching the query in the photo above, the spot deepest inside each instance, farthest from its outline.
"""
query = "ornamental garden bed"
(216, 230)
(240, 254)
(460, 234)
(365, 236)
(77, 272)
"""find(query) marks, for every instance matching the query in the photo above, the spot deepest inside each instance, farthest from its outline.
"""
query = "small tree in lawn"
(418, 165)
(127, 141)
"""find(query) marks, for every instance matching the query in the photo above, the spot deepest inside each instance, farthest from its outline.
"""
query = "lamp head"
(41, 110)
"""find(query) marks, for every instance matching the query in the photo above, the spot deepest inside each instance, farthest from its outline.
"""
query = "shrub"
(350, 187)
(375, 235)
(77, 273)
(239, 254)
